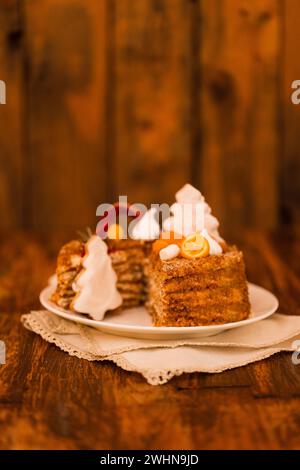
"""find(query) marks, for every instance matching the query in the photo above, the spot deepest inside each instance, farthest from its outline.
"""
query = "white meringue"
(214, 247)
(169, 252)
(147, 228)
(191, 214)
(188, 194)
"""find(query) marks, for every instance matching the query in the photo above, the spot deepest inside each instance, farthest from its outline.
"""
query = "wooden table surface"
(49, 400)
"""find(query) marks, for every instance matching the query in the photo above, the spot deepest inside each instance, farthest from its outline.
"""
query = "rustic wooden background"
(108, 97)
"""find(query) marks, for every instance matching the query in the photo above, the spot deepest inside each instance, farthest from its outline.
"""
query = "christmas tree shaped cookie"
(96, 285)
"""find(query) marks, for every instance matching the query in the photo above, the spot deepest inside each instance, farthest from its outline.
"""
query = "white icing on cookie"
(95, 286)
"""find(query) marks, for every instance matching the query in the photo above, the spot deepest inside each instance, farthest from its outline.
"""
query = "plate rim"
(106, 325)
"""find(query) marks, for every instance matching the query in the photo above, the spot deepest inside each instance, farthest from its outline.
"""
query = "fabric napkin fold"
(160, 360)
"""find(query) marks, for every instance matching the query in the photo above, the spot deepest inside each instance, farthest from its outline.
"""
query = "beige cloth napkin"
(159, 361)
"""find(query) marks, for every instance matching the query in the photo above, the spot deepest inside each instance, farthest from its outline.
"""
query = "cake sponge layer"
(205, 291)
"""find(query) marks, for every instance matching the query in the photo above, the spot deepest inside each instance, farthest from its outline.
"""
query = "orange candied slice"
(166, 239)
(115, 232)
(194, 246)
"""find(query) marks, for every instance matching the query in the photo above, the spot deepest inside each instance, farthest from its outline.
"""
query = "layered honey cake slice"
(128, 259)
(202, 291)
(69, 264)
(195, 278)
(189, 276)
(106, 261)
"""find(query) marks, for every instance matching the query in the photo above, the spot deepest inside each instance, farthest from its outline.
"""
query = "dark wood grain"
(11, 115)
(138, 98)
(291, 114)
(65, 51)
(49, 400)
(239, 155)
(152, 100)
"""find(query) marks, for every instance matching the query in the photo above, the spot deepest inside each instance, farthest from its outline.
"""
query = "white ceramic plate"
(136, 322)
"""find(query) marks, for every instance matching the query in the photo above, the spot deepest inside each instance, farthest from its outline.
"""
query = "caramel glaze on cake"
(204, 291)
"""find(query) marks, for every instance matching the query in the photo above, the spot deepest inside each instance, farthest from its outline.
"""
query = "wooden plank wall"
(65, 53)
(136, 97)
(152, 98)
(12, 159)
(239, 102)
(291, 113)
